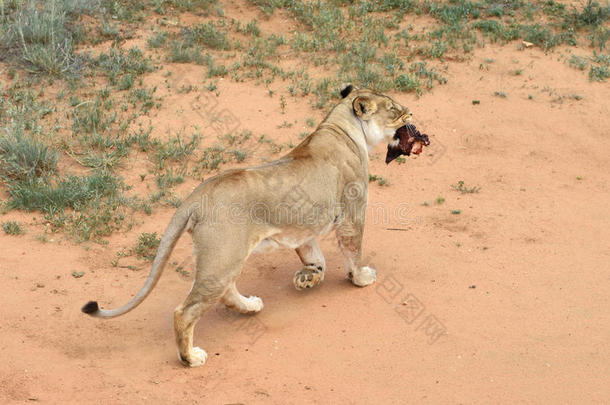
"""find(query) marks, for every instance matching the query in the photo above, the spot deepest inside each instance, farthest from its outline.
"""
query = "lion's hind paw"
(308, 277)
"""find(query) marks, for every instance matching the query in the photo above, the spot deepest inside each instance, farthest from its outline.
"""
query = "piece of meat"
(407, 140)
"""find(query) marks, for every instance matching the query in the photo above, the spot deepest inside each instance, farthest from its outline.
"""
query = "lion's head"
(383, 119)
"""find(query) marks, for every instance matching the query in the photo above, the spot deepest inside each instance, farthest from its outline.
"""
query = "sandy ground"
(506, 302)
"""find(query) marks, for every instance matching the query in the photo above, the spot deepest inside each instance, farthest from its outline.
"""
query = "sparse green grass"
(464, 189)
(175, 149)
(143, 97)
(91, 122)
(183, 52)
(207, 35)
(251, 28)
(214, 69)
(87, 207)
(170, 179)
(12, 228)
(380, 180)
(41, 35)
(117, 63)
(203, 7)
(157, 40)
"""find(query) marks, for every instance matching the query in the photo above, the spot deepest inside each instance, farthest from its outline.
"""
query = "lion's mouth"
(407, 140)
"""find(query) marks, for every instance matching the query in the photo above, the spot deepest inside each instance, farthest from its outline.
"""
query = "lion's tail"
(168, 241)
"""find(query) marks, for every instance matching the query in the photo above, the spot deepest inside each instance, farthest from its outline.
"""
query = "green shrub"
(147, 246)
(407, 82)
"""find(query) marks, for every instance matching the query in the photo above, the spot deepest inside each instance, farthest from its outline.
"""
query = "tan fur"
(320, 186)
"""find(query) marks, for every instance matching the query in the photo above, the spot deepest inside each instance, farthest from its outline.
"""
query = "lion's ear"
(364, 107)
(346, 89)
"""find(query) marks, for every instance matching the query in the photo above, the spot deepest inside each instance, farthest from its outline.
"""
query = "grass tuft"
(23, 156)
(12, 228)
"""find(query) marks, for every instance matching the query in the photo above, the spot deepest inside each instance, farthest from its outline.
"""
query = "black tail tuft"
(90, 307)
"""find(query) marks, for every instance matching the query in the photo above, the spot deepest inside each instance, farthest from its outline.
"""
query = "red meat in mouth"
(407, 140)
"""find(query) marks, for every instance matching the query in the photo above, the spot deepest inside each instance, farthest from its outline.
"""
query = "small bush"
(147, 246)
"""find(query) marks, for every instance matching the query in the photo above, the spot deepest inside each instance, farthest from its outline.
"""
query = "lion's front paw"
(308, 277)
(197, 357)
(253, 304)
(363, 276)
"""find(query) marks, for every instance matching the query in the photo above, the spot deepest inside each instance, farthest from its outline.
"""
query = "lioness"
(321, 185)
